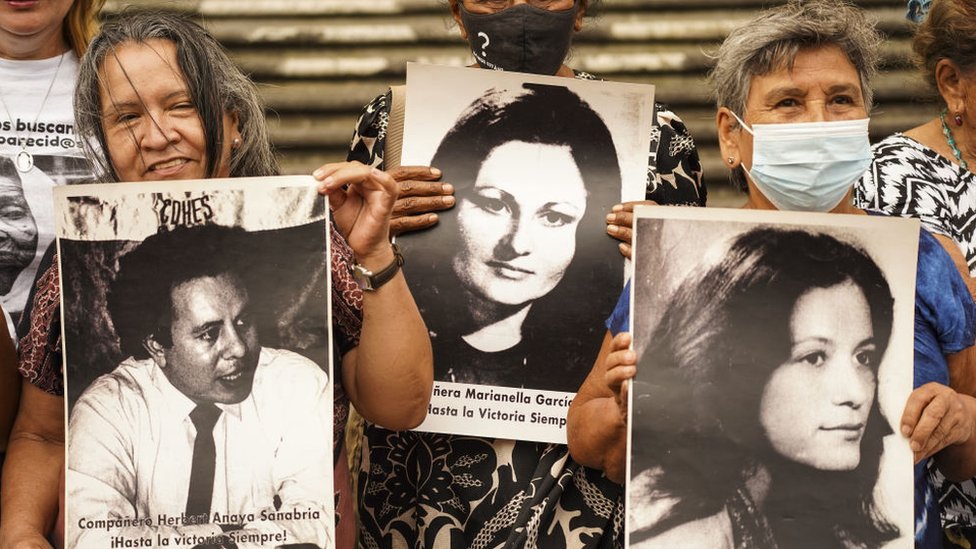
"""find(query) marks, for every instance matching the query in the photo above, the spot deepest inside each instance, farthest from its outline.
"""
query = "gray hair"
(215, 84)
(773, 38)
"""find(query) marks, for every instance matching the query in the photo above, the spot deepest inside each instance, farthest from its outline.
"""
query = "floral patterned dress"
(448, 491)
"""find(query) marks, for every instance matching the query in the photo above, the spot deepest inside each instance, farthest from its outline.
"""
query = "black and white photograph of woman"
(514, 281)
(767, 390)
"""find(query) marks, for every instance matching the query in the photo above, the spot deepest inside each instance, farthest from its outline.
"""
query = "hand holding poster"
(197, 362)
(774, 359)
(515, 281)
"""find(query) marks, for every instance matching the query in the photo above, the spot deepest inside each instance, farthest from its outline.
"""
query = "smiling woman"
(534, 170)
(158, 98)
(151, 124)
(40, 43)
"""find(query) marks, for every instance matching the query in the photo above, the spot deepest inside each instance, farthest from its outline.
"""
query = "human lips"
(22, 4)
(167, 167)
(849, 431)
(508, 270)
(234, 375)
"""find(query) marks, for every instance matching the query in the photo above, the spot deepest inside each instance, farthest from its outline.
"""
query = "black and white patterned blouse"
(433, 490)
(908, 179)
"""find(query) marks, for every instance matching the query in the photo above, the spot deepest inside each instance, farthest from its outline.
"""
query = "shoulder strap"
(394, 130)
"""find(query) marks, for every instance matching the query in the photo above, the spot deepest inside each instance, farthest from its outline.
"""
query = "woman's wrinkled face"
(815, 406)
(152, 128)
(517, 225)
(18, 232)
(823, 85)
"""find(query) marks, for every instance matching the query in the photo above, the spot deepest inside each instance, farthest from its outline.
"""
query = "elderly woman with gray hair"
(159, 99)
(793, 94)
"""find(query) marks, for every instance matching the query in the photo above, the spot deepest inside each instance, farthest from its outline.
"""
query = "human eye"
(842, 100)
(490, 201)
(13, 212)
(553, 217)
(209, 335)
(867, 356)
(245, 320)
(811, 352)
(493, 4)
(184, 108)
(814, 358)
(787, 103)
(126, 118)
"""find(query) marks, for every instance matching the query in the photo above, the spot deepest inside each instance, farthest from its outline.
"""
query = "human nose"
(851, 385)
(518, 241)
(234, 346)
(159, 133)
(817, 111)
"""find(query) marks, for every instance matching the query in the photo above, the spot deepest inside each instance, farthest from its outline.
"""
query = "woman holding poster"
(40, 44)
(416, 488)
(796, 79)
(159, 100)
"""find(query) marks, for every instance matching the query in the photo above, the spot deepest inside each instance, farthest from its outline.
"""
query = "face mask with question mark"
(521, 38)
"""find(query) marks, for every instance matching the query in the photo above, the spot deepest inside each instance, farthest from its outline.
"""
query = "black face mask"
(522, 38)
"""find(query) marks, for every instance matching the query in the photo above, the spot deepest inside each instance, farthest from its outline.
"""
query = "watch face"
(363, 277)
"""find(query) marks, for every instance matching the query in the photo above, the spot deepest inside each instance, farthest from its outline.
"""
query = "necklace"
(24, 159)
(952, 142)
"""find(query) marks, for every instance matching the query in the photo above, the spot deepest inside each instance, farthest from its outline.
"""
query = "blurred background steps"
(318, 62)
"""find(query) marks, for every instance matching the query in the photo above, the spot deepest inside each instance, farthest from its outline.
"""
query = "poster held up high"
(515, 281)
(197, 362)
(774, 360)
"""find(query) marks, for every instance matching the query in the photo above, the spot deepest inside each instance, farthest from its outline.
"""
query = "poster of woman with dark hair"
(514, 281)
(773, 364)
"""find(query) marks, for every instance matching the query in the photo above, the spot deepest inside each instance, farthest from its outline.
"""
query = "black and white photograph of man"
(201, 435)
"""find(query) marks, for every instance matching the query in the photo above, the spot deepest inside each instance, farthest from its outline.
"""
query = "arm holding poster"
(940, 422)
(35, 457)
(597, 419)
(389, 376)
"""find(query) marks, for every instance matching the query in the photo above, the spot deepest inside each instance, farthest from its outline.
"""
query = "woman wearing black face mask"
(426, 490)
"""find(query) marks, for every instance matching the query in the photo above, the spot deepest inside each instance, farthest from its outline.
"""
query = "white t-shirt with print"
(45, 128)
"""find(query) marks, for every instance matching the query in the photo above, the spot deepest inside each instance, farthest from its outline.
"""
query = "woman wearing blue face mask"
(792, 89)
(423, 489)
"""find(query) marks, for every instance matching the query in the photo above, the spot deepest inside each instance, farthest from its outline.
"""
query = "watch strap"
(370, 281)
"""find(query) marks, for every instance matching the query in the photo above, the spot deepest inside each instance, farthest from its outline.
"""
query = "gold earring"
(731, 160)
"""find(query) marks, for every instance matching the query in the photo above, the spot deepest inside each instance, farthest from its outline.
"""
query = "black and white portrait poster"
(515, 281)
(775, 356)
(198, 365)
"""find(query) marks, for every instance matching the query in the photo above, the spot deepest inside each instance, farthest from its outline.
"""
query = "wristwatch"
(369, 281)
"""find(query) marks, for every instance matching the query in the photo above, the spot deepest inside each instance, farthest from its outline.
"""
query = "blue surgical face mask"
(809, 166)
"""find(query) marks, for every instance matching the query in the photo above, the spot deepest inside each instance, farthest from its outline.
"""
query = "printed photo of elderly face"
(18, 230)
(757, 417)
(506, 281)
(201, 420)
